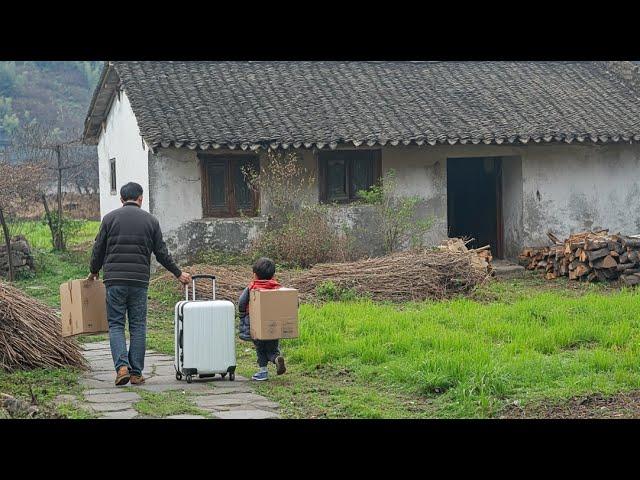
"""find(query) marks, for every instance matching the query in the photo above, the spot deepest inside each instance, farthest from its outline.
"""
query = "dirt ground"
(623, 405)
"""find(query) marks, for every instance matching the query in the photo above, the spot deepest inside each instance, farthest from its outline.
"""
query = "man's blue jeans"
(132, 302)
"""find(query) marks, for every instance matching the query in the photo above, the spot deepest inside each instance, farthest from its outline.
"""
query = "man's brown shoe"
(137, 379)
(122, 378)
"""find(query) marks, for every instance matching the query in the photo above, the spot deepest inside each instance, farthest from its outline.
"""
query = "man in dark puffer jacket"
(123, 248)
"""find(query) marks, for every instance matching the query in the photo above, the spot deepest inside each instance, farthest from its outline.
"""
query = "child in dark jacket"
(267, 350)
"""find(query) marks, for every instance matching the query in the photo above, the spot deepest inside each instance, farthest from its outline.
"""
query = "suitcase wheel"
(223, 374)
(178, 376)
(232, 376)
(189, 378)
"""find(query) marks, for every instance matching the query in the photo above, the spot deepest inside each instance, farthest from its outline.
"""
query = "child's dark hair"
(264, 268)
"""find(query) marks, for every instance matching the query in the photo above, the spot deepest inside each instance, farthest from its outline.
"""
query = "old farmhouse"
(499, 151)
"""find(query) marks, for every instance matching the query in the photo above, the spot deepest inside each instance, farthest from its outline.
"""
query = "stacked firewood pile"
(587, 256)
(21, 258)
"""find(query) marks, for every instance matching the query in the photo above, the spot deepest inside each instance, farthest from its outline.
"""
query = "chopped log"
(606, 262)
(633, 256)
(582, 269)
(614, 254)
(624, 258)
(594, 244)
(592, 277)
(630, 242)
(595, 254)
(553, 238)
(630, 279)
(621, 267)
(615, 246)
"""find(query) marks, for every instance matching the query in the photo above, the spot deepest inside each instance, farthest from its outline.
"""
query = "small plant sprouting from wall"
(398, 214)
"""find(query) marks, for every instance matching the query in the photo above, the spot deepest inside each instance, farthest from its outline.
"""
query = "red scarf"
(264, 285)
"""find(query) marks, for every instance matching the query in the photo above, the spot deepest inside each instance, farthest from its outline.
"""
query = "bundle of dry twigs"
(31, 335)
(230, 280)
(400, 277)
(437, 273)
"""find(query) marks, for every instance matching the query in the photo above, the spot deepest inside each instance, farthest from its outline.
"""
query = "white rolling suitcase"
(204, 336)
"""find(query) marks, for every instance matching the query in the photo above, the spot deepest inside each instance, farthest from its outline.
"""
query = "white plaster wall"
(175, 193)
(574, 188)
(121, 140)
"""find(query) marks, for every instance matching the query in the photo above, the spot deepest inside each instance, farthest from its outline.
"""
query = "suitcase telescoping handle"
(193, 289)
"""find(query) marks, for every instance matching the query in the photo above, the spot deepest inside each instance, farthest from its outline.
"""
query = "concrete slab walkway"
(219, 398)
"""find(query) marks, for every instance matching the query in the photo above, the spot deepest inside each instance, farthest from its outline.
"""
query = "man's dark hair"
(131, 191)
(264, 268)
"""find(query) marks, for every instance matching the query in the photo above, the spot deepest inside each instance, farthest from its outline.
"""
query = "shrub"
(303, 239)
(328, 291)
(398, 214)
(297, 234)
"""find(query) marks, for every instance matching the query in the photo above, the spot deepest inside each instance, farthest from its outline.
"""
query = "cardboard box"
(83, 304)
(273, 314)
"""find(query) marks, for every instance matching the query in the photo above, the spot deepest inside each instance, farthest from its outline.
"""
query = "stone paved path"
(220, 397)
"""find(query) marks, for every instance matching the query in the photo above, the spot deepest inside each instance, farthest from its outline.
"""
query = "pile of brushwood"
(416, 275)
(401, 277)
(588, 256)
(31, 335)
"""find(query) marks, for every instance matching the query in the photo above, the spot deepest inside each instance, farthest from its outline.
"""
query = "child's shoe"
(260, 376)
(280, 367)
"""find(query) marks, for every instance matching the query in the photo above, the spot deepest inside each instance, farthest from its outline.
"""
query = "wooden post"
(7, 240)
(49, 221)
(59, 242)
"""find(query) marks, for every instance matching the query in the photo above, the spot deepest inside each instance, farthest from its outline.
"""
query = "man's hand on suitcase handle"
(184, 278)
(93, 276)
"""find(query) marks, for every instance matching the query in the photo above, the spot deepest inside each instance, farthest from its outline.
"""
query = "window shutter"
(217, 186)
(243, 192)
(363, 173)
(337, 179)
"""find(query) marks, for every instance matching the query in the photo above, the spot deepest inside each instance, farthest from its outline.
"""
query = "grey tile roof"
(261, 104)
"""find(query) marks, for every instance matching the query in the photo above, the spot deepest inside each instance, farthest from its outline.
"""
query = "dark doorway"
(474, 201)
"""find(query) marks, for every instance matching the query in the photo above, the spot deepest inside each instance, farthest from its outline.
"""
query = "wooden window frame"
(322, 160)
(113, 176)
(230, 210)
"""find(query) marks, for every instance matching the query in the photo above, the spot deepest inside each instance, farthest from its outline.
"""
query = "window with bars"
(112, 176)
(342, 173)
(225, 190)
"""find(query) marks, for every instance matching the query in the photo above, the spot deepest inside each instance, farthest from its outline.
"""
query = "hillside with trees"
(52, 93)
(42, 110)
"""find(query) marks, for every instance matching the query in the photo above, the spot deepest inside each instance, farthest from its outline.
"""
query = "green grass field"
(526, 340)
(39, 235)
